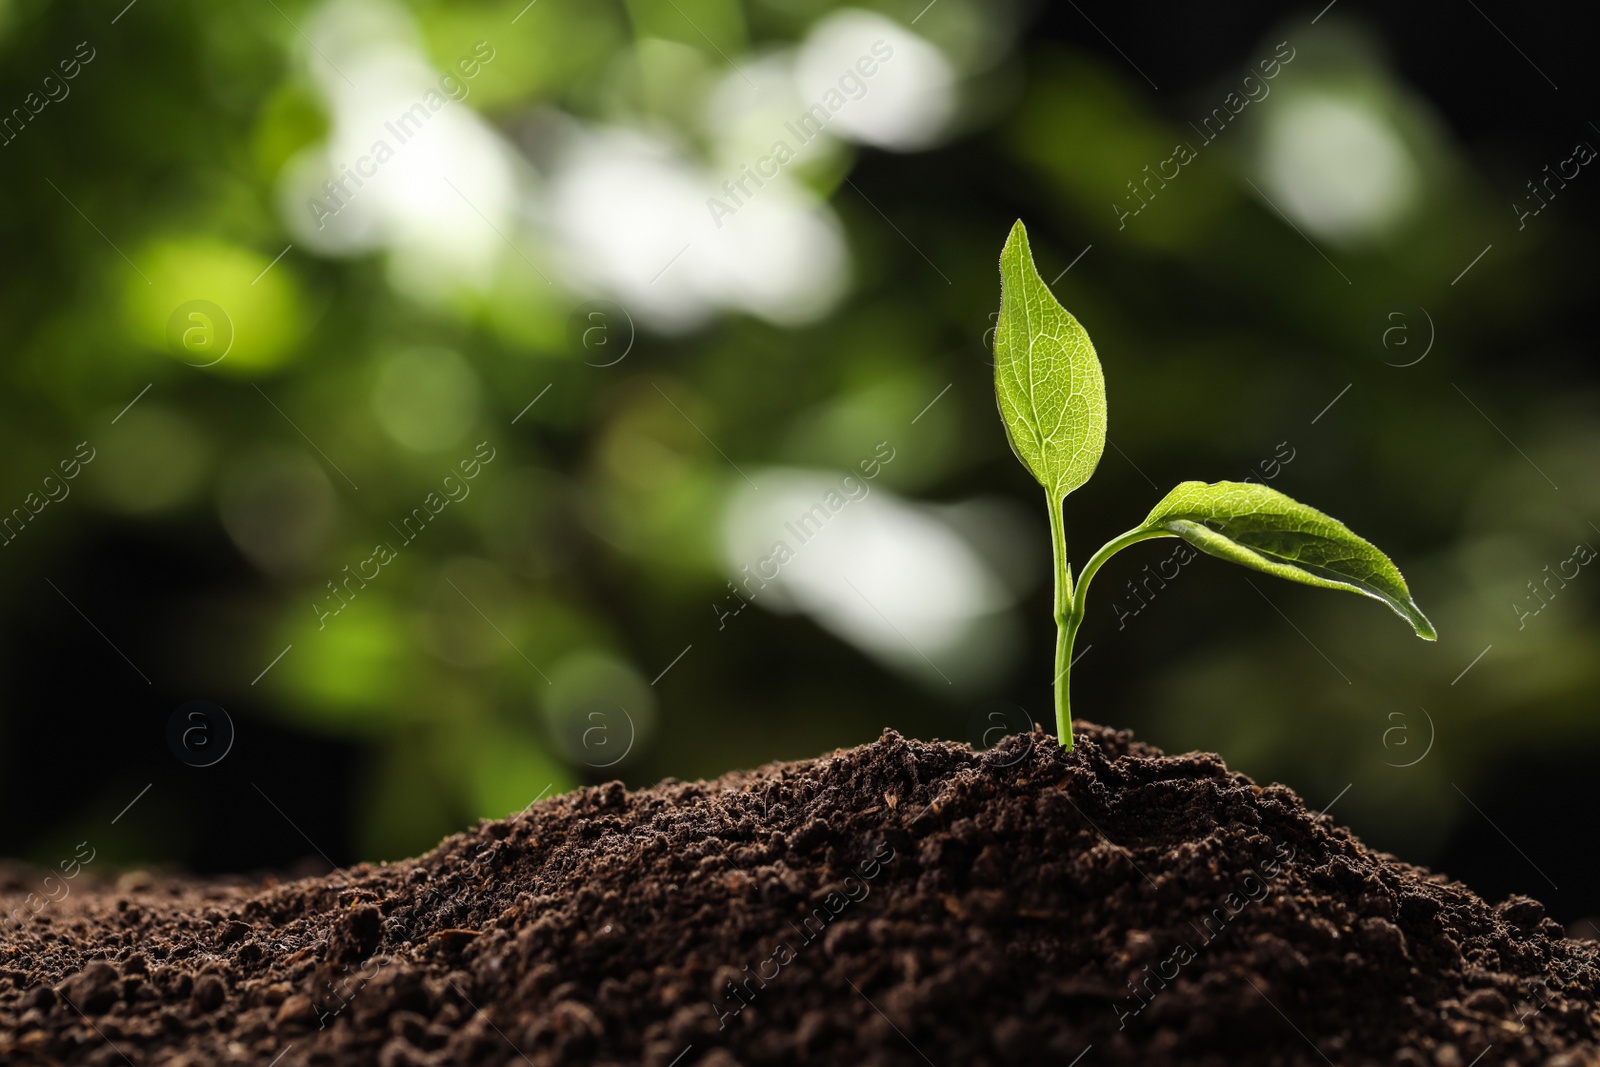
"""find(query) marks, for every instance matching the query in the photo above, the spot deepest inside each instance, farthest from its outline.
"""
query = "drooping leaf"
(1047, 377)
(1264, 529)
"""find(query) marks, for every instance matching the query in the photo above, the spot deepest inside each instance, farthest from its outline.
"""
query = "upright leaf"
(1264, 529)
(1047, 377)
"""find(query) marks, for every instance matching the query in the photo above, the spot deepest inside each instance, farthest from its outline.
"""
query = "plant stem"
(1070, 609)
(1063, 609)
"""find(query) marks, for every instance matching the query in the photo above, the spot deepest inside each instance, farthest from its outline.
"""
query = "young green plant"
(1052, 399)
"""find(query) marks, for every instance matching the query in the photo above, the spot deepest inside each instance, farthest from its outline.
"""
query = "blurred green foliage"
(1239, 301)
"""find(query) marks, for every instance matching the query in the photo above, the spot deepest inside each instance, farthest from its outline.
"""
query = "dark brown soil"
(902, 903)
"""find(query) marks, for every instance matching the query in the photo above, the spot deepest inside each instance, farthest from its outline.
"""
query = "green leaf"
(1264, 529)
(1047, 377)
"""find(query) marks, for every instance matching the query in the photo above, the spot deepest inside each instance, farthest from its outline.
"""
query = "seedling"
(1053, 401)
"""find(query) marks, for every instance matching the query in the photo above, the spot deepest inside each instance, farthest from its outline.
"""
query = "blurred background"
(411, 410)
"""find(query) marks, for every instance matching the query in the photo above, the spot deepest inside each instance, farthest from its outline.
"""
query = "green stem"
(1063, 611)
(1070, 605)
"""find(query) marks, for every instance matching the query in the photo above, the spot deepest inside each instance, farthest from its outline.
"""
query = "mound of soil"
(898, 903)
